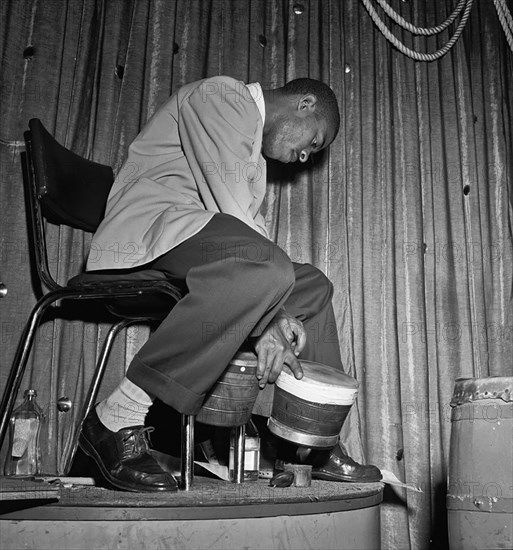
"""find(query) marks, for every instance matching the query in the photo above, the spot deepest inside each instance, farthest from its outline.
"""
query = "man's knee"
(317, 281)
(282, 269)
(276, 270)
(263, 268)
(316, 288)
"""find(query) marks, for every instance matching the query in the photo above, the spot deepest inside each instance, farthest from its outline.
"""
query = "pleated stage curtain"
(409, 212)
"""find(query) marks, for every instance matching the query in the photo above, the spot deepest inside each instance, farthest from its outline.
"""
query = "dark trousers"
(237, 280)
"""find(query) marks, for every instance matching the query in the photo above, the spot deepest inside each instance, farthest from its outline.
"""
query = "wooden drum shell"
(305, 413)
(230, 401)
(480, 485)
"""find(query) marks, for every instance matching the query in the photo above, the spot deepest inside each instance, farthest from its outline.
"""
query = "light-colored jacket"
(199, 154)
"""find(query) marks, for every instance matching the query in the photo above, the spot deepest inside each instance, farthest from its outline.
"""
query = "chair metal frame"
(36, 190)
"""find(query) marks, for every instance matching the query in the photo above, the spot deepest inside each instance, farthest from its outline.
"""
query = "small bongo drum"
(231, 399)
(311, 411)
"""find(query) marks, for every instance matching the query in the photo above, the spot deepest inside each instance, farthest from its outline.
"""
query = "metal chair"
(66, 189)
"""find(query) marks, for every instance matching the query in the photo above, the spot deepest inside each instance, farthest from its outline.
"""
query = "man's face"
(295, 135)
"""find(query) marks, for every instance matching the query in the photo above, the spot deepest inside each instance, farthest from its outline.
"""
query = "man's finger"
(301, 341)
(276, 367)
(262, 363)
(265, 378)
(289, 334)
(295, 366)
(268, 365)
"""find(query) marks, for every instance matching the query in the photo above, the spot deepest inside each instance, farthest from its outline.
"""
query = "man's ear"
(307, 102)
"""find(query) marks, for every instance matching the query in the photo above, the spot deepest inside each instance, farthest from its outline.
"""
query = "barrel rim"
(467, 390)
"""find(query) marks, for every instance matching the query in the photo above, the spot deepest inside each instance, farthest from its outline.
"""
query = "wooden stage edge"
(208, 499)
(214, 515)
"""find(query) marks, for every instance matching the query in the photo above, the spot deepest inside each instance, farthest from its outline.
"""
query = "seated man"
(187, 203)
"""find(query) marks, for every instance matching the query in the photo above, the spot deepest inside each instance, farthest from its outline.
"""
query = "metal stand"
(187, 461)
(187, 453)
(238, 454)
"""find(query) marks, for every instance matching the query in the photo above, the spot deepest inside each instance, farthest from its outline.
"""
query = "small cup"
(302, 474)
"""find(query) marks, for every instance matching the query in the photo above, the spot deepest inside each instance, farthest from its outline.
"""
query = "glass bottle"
(24, 455)
(251, 453)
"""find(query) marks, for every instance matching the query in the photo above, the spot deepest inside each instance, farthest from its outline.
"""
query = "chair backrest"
(61, 187)
(71, 189)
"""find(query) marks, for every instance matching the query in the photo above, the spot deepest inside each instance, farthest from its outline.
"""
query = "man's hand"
(280, 343)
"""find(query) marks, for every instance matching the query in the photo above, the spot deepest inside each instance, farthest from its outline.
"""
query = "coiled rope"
(506, 20)
(419, 56)
(426, 31)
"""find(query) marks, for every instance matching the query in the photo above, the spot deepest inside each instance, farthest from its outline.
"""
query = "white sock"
(125, 407)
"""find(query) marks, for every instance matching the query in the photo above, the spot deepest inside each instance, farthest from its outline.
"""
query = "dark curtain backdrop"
(409, 213)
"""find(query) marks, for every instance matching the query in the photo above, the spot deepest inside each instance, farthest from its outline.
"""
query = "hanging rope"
(426, 31)
(419, 56)
(506, 20)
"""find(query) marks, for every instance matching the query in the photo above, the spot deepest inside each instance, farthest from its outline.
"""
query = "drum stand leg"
(238, 454)
(187, 452)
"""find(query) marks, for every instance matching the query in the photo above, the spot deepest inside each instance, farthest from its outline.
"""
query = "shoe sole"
(90, 451)
(340, 477)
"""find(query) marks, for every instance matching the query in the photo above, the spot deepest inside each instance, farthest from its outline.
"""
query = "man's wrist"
(282, 314)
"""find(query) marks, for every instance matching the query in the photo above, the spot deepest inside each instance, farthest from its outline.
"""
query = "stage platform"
(215, 514)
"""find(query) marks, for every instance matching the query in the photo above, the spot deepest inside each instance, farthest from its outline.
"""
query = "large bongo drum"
(311, 411)
(480, 485)
(230, 401)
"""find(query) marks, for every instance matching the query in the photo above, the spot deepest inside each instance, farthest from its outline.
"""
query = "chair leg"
(187, 452)
(94, 386)
(20, 362)
(238, 454)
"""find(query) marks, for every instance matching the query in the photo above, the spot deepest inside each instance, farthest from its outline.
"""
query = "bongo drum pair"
(308, 412)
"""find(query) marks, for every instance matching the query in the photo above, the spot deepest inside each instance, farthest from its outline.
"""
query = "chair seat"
(153, 306)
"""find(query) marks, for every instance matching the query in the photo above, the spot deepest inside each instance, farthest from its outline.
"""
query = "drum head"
(320, 383)
(322, 375)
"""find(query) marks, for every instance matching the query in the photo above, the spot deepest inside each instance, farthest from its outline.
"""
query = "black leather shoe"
(124, 457)
(339, 466)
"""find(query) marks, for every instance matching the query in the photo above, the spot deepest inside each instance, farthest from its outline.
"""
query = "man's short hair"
(327, 104)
